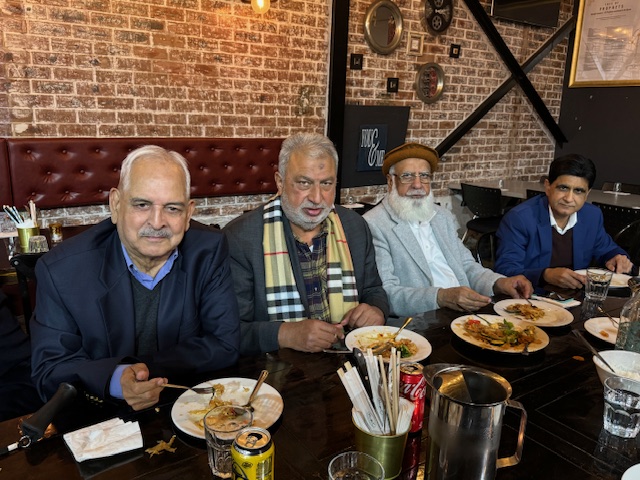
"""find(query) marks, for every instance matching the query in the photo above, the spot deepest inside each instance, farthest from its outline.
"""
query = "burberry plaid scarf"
(283, 298)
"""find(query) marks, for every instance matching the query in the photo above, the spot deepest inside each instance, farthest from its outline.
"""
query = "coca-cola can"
(413, 387)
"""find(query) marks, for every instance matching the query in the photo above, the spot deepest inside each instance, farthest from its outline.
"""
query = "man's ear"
(279, 181)
(114, 204)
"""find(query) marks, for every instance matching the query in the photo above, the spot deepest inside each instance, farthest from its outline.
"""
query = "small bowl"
(626, 363)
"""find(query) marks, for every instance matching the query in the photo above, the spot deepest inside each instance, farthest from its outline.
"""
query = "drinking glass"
(221, 425)
(38, 244)
(598, 280)
(617, 187)
(622, 406)
(355, 466)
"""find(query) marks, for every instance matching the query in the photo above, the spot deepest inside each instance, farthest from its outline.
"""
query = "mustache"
(152, 232)
(310, 204)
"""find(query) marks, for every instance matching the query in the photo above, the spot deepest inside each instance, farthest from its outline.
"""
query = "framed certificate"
(606, 51)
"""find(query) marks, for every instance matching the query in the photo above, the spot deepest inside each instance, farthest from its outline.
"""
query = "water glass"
(622, 406)
(355, 466)
(38, 244)
(221, 425)
(617, 187)
(598, 280)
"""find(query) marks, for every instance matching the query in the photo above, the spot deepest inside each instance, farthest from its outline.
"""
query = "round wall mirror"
(383, 26)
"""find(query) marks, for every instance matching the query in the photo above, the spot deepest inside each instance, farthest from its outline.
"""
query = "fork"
(386, 346)
(198, 390)
(613, 320)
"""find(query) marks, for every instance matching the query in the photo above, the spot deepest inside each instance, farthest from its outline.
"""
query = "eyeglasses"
(408, 177)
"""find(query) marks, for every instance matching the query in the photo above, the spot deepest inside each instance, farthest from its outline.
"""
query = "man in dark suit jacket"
(18, 396)
(307, 317)
(550, 236)
(139, 298)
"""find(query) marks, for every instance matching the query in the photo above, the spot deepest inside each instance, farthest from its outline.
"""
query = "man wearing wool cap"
(422, 261)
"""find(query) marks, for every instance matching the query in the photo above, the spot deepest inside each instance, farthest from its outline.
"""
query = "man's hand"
(461, 298)
(138, 391)
(362, 316)
(564, 277)
(516, 287)
(309, 335)
(619, 264)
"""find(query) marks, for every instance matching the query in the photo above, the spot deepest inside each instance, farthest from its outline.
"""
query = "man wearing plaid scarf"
(303, 268)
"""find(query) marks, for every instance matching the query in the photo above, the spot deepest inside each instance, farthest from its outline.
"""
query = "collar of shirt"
(573, 219)
(322, 233)
(147, 281)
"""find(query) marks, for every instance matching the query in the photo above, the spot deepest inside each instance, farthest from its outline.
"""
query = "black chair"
(485, 204)
(25, 266)
(533, 193)
(616, 217)
(486, 250)
(629, 239)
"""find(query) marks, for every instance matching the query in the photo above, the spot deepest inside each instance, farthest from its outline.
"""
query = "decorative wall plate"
(438, 15)
(429, 82)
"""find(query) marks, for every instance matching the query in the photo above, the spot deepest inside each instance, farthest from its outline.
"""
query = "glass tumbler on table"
(355, 466)
(598, 281)
(629, 325)
(622, 406)
(221, 425)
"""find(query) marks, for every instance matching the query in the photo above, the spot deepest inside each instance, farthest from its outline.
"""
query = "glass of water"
(355, 466)
(598, 280)
(221, 425)
(622, 406)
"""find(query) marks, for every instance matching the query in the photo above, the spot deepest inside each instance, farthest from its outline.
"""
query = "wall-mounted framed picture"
(415, 44)
(606, 51)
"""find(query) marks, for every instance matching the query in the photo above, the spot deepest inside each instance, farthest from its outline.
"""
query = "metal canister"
(413, 387)
(253, 455)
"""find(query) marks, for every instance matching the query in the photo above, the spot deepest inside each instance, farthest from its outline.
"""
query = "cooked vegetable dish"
(501, 334)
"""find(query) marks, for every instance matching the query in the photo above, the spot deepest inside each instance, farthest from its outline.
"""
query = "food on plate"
(216, 401)
(530, 312)
(375, 339)
(604, 334)
(501, 334)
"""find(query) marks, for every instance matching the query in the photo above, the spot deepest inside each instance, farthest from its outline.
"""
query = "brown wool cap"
(410, 150)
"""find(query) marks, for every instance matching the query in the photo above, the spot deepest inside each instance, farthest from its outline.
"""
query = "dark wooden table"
(558, 387)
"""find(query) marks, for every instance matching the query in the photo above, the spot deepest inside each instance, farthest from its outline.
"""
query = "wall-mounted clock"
(438, 15)
(429, 82)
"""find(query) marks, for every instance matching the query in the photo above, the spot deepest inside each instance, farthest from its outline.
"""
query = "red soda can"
(413, 387)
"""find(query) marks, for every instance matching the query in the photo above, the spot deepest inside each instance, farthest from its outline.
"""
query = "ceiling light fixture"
(259, 6)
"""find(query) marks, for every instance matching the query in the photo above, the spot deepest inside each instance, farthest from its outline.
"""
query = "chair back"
(629, 239)
(616, 217)
(533, 193)
(482, 201)
(485, 250)
(25, 266)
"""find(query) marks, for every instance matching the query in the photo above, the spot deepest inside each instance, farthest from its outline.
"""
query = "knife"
(361, 365)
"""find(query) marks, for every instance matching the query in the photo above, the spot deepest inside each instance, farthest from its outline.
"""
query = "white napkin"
(568, 303)
(104, 439)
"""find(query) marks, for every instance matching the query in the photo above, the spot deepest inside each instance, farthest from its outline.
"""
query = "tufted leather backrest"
(64, 172)
(5, 182)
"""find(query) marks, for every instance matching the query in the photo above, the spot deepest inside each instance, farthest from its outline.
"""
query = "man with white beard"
(303, 269)
(422, 261)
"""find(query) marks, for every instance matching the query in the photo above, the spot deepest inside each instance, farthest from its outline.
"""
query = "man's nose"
(415, 181)
(315, 194)
(156, 216)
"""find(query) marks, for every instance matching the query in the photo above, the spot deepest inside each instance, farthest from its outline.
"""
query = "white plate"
(458, 328)
(554, 315)
(268, 404)
(596, 326)
(632, 473)
(618, 280)
(362, 338)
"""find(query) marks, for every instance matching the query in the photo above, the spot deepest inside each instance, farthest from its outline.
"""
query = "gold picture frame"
(415, 43)
(606, 50)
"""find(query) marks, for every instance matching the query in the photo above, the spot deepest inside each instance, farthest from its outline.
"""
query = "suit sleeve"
(513, 240)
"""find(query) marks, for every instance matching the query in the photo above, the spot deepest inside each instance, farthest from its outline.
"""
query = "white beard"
(412, 209)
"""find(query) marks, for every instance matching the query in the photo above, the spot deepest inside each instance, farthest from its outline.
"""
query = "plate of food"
(500, 334)
(603, 328)
(413, 347)
(618, 280)
(538, 312)
(190, 408)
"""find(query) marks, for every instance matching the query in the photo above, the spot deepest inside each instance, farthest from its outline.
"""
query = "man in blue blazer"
(550, 236)
(139, 298)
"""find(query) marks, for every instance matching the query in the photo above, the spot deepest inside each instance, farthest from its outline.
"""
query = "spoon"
(613, 320)
(381, 348)
(254, 392)
(593, 350)
(475, 315)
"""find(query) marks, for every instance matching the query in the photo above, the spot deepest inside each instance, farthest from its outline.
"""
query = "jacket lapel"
(171, 307)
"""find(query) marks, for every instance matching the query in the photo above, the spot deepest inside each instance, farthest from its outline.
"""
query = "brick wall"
(213, 68)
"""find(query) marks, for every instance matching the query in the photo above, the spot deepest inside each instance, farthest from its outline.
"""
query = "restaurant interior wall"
(213, 68)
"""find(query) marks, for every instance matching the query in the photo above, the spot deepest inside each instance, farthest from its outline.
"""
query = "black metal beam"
(338, 78)
(504, 88)
(514, 67)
